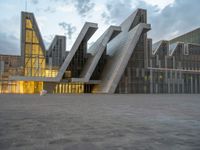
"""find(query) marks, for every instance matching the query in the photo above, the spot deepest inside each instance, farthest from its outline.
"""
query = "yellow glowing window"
(27, 71)
(33, 72)
(34, 56)
(70, 88)
(37, 63)
(28, 49)
(29, 87)
(41, 61)
(28, 24)
(35, 39)
(60, 88)
(28, 62)
(50, 73)
(33, 61)
(40, 51)
(28, 36)
(35, 49)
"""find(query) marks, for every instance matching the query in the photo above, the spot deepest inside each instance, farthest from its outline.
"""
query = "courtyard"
(100, 122)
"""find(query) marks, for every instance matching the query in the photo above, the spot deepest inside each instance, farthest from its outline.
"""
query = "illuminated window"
(35, 49)
(28, 36)
(34, 57)
(69, 88)
(35, 39)
(21, 87)
(28, 49)
(28, 24)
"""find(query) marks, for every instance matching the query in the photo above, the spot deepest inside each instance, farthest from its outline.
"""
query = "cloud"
(83, 6)
(68, 28)
(49, 10)
(9, 44)
(116, 11)
(34, 1)
(169, 22)
(9, 37)
(175, 19)
(158, 3)
(47, 40)
(66, 8)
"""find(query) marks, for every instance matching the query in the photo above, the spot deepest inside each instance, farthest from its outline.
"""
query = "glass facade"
(135, 78)
(177, 72)
(56, 53)
(78, 61)
(168, 70)
(34, 64)
(191, 37)
(51, 72)
(62, 88)
(21, 87)
(102, 62)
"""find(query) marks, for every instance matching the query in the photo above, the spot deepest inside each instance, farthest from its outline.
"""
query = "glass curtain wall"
(34, 55)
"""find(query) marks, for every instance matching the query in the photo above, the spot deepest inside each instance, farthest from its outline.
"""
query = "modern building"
(56, 53)
(190, 37)
(122, 60)
(175, 67)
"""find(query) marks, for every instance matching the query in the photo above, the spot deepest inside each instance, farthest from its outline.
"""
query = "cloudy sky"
(168, 18)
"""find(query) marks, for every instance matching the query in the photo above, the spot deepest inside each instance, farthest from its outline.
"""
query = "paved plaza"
(100, 122)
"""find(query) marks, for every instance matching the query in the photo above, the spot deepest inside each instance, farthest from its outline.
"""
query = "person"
(43, 92)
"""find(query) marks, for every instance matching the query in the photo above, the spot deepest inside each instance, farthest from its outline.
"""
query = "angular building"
(122, 60)
(190, 37)
(56, 54)
(175, 67)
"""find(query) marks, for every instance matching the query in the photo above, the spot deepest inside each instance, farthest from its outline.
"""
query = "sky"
(168, 18)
